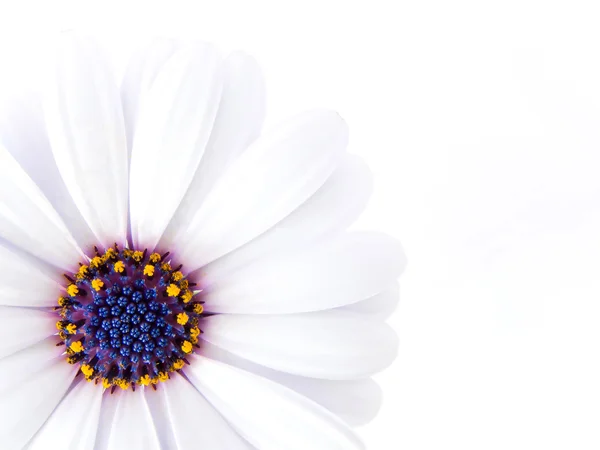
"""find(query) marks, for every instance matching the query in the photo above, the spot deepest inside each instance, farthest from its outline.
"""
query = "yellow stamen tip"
(195, 332)
(198, 308)
(166, 266)
(59, 325)
(173, 290)
(105, 383)
(137, 255)
(182, 318)
(72, 290)
(87, 370)
(97, 284)
(76, 346)
(178, 364)
(187, 296)
(71, 328)
(119, 267)
(96, 262)
(149, 270)
(186, 346)
(163, 376)
(154, 258)
(145, 380)
(177, 276)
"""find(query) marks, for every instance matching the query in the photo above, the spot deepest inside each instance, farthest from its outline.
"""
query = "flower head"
(168, 274)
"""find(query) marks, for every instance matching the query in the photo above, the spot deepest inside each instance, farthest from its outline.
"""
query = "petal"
(186, 410)
(173, 128)
(334, 345)
(27, 219)
(22, 327)
(342, 271)
(380, 306)
(33, 359)
(356, 402)
(129, 413)
(22, 283)
(274, 176)
(87, 133)
(238, 122)
(142, 69)
(23, 131)
(27, 404)
(332, 208)
(74, 422)
(267, 414)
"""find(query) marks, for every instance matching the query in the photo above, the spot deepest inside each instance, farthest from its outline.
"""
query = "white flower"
(267, 335)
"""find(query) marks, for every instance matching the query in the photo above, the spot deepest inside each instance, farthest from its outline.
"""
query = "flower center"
(129, 318)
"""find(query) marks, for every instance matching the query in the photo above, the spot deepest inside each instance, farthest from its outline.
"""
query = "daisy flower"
(171, 277)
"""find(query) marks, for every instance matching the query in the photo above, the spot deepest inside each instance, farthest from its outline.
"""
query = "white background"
(481, 123)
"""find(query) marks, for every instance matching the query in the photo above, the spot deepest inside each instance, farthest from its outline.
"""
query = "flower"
(171, 278)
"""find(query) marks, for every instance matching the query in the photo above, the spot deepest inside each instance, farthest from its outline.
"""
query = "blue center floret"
(129, 318)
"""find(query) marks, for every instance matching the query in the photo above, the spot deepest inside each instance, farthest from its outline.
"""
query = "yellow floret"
(145, 380)
(96, 262)
(186, 346)
(97, 284)
(149, 270)
(177, 276)
(163, 376)
(119, 267)
(178, 364)
(106, 383)
(71, 328)
(198, 308)
(154, 258)
(137, 255)
(76, 346)
(187, 296)
(173, 290)
(88, 371)
(182, 318)
(72, 290)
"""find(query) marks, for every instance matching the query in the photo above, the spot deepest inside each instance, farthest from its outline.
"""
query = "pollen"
(96, 262)
(177, 276)
(105, 383)
(145, 380)
(173, 290)
(163, 376)
(72, 290)
(71, 328)
(97, 284)
(82, 272)
(194, 332)
(154, 258)
(198, 308)
(182, 318)
(76, 346)
(87, 370)
(137, 256)
(178, 364)
(119, 267)
(187, 296)
(149, 270)
(186, 346)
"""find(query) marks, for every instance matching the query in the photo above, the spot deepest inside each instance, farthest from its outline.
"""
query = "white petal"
(173, 128)
(87, 133)
(28, 361)
(28, 403)
(334, 345)
(22, 327)
(267, 414)
(341, 271)
(23, 283)
(188, 412)
(142, 69)
(23, 132)
(74, 422)
(332, 208)
(27, 219)
(274, 176)
(356, 402)
(380, 306)
(238, 122)
(130, 427)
